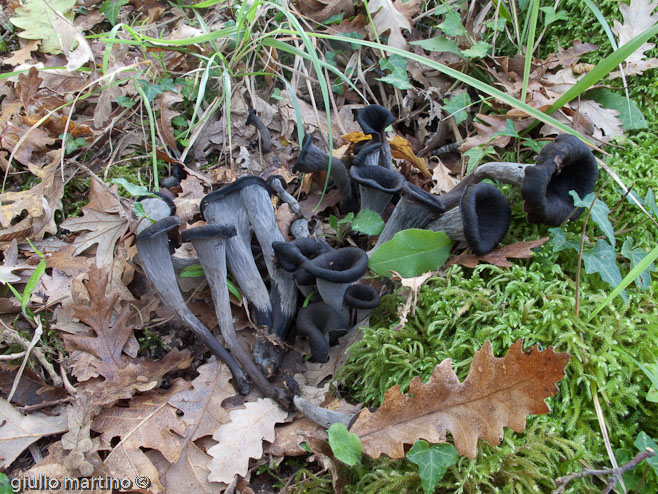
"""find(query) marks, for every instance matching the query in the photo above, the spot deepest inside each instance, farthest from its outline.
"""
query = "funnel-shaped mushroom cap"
(413, 194)
(155, 208)
(368, 155)
(377, 186)
(237, 186)
(344, 265)
(208, 231)
(161, 226)
(486, 217)
(361, 296)
(562, 165)
(322, 325)
(374, 119)
(293, 254)
(377, 178)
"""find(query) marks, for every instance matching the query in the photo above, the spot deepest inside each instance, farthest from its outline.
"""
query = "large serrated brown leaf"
(499, 256)
(498, 392)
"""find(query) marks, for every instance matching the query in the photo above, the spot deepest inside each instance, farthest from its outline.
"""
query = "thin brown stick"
(614, 474)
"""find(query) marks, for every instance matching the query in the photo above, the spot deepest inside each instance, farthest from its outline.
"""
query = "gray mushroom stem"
(210, 244)
(256, 200)
(277, 184)
(451, 224)
(322, 416)
(263, 131)
(152, 245)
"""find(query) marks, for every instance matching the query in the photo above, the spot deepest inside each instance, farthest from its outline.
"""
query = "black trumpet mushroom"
(224, 206)
(291, 255)
(562, 165)
(362, 298)
(312, 159)
(256, 199)
(322, 325)
(415, 209)
(374, 119)
(152, 245)
(210, 244)
(156, 207)
(482, 218)
(263, 131)
(335, 271)
(377, 186)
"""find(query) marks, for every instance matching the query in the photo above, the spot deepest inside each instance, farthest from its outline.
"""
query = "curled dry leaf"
(499, 256)
(401, 149)
(498, 392)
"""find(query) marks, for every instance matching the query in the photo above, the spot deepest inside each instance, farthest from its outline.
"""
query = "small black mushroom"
(152, 245)
(482, 218)
(377, 186)
(322, 325)
(263, 131)
(292, 255)
(374, 119)
(562, 165)
(336, 270)
(362, 298)
(312, 159)
(210, 243)
(415, 209)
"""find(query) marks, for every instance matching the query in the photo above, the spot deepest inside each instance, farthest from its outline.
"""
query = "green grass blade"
(604, 23)
(639, 268)
(151, 116)
(530, 43)
(32, 284)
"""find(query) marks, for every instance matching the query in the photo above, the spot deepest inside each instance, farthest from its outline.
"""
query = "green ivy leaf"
(599, 214)
(411, 253)
(602, 259)
(642, 442)
(509, 131)
(125, 101)
(345, 445)
(111, 9)
(438, 43)
(635, 255)
(475, 155)
(456, 106)
(133, 190)
(368, 222)
(650, 203)
(432, 462)
(334, 19)
(452, 25)
(478, 50)
(550, 16)
(560, 241)
(398, 77)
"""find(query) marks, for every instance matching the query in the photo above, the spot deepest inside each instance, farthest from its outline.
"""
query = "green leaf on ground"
(642, 442)
(5, 486)
(452, 25)
(550, 16)
(599, 214)
(560, 241)
(635, 255)
(456, 106)
(509, 131)
(345, 445)
(630, 115)
(475, 155)
(398, 77)
(133, 190)
(478, 50)
(432, 462)
(111, 9)
(438, 43)
(368, 222)
(36, 18)
(602, 259)
(411, 253)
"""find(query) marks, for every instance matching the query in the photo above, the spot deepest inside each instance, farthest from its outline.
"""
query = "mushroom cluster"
(472, 211)
(328, 279)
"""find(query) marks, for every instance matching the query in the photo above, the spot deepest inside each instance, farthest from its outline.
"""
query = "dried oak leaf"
(18, 431)
(638, 16)
(498, 392)
(571, 56)
(242, 439)
(319, 10)
(499, 256)
(102, 226)
(392, 17)
(40, 202)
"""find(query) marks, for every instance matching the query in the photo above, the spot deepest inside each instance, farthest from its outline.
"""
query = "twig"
(613, 473)
(12, 336)
(35, 339)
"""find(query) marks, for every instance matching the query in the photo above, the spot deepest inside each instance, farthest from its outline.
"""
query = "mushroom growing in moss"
(362, 298)
(482, 218)
(152, 245)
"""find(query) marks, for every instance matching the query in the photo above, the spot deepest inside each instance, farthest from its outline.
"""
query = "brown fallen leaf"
(497, 393)
(40, 202)
(242, 439)
(637, 17)
(18, 431)
(571, 56)
(319, 10)
(23, 54)
(413, 285)
(167, 114)
(32, 389)
(485, 133)
(392, 17)
(329, 200)
(401, 149)
(499, 256)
